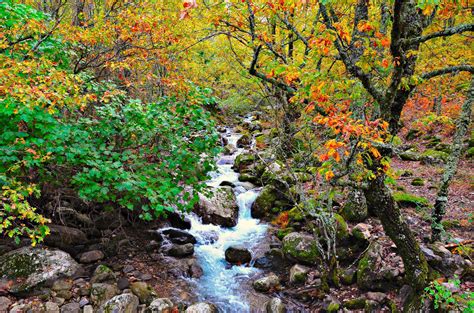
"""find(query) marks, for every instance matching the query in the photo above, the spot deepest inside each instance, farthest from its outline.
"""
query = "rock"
(49, 307)
(298, 273)
(361, 231)
(181, 251)
(418, 181)
(220, 208)
(65, 237)
(266, 283)
(91, 256)
(229, 149)
(128, 269)
(4, 304)
(355, 209)
(202, 307)
(342, 230)
(376, 296)
(71, 307)
(29, 267)
(275, 305)
(301, 247)
(88, 309)
(124, 303)
(374, 272)
(179, 236)
(108, 220)
(355, 304)
(244, 141)
(102, 292)
(83, 302)
(243, 161)
(62, 288)
(238, 255)
(348, 276)
(161, 305)
(123, 283)
(410, 155)
(194, 269)
(178, 221)
(431, 156)
(266, 201)
(69, 216)
(143, 291)
(103, 274)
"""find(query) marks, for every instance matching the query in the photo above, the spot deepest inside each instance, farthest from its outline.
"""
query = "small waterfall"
(221, 284)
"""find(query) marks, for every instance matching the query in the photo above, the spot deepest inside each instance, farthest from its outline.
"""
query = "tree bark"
(462, 126)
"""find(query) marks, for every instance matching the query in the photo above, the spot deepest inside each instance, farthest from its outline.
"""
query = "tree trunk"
(462, 126)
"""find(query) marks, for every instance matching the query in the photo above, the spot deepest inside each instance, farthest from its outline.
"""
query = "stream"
(221, 284)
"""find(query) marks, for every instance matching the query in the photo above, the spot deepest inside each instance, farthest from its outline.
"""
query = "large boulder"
(181, 251)
(179, 236)
(145, 293)
(238, 255)
(301, 247)
(202, 307)
(244, 161)
(269, 198)
(65, 237)
(160, 305)
(266, 283)
(220, 208)
(124, 303)
(355, 209)
(298, 273)
(27, 268)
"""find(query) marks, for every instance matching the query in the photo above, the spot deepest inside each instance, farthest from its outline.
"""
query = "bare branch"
(444, 33)
(448, 70)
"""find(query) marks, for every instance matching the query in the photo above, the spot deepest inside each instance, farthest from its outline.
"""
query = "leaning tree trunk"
(462, 126)
(380, 199)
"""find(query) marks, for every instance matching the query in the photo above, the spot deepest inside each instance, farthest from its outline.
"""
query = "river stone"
(355, 209)
(220, 208)
(181, 251)
(238, 255)
(301, 247)
(65, 237)
(229, 149)
(244, 161)
(202, 307)
(4, 304)
(102, 274)
(101, 293)
(50, 307)
(91, 256)
(244, 141)
(266, 283)
(275, 305)
(72, 307)
(29, 267)
(161, 305)
(124, 303)
(143, 291)
(179, 236)
(298, 273)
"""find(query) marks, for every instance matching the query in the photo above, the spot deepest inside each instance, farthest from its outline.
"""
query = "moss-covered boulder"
(219, 207)
(408, 200)
(301, 247)
(342, 230)
(410, 155)
(145, 293)
(243, 161)
(124, 303)
(269, 202)
(470, 153)
(27, 268)
(244, 141)
(355, 209)
(432, 156)
(418, 181)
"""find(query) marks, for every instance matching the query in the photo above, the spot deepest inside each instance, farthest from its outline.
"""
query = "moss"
(243, 160)
(410, 155)
(409, 200)
(283, 232)
(418, 181)
(436, 155)
(18, 265)
(362, 268)
(295, 215)
(333, 307)
(303, 248)
(342, 231)
(355, 304)
(470, 153)
(449, 224)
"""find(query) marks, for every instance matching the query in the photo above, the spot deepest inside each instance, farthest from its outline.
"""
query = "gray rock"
(102, 292)
(179, 236)
(266, 283)
(91, 256)
(181, 251)
(4, 304)
(72, 307)
(29, 267)
(103, 274)
(355, 209)
(244, 141)
(362, 231)
(88, 309)
(298, 273)
(301, 247)
(376, 296)
(220, 208)
(160, 305)
(65, 237)
(275, 305)
(202, 307)
(124, 303)
(145, 293)
(238, 254)
(50, 307)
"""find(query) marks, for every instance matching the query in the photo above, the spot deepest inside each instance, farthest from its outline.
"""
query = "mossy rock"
(408, 200)
(355, 304)
(412, 134)
(433, 141)
(418, 181)
(244, 160)
(246, 177)
(355, 209)
(295, 215)
(432, 156)
(333, 307)
(301, 247)
(410, 155)
(264, 202)
(342, 230)
(281, 233)
(470, 153)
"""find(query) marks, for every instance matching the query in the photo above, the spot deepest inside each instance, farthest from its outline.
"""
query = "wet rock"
(72, 307)
(65, 237)
(266, 283)
(178, 221)
(238, 255)
(229, 149)
(301, 247)
(355, 209)
(91, 256)
(244, 141)
(4, 304)
(161, 305)
(101, 293)
(29, 267)
(202, 307)
(361, 231)
(194, 269)
(103, 274)
(244, 161)
(179, 236)
(298, 273)
(220, 208)
(124, 303)
(181, 251)
(275, 305)
(143, 291)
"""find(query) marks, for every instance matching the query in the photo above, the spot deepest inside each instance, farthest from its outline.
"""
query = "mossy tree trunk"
(462, 126)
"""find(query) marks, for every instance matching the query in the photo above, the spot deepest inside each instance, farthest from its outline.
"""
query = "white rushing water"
(221, 284)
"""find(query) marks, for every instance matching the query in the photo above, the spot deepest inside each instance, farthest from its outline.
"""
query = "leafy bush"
(445, 299)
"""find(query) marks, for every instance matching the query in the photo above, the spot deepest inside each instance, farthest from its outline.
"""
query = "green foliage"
(445, 299)
(406, 199)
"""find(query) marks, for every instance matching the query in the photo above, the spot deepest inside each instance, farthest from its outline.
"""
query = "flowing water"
(221, 284)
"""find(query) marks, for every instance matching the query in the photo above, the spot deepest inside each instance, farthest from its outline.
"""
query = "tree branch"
(448, 70)
(444, 33)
